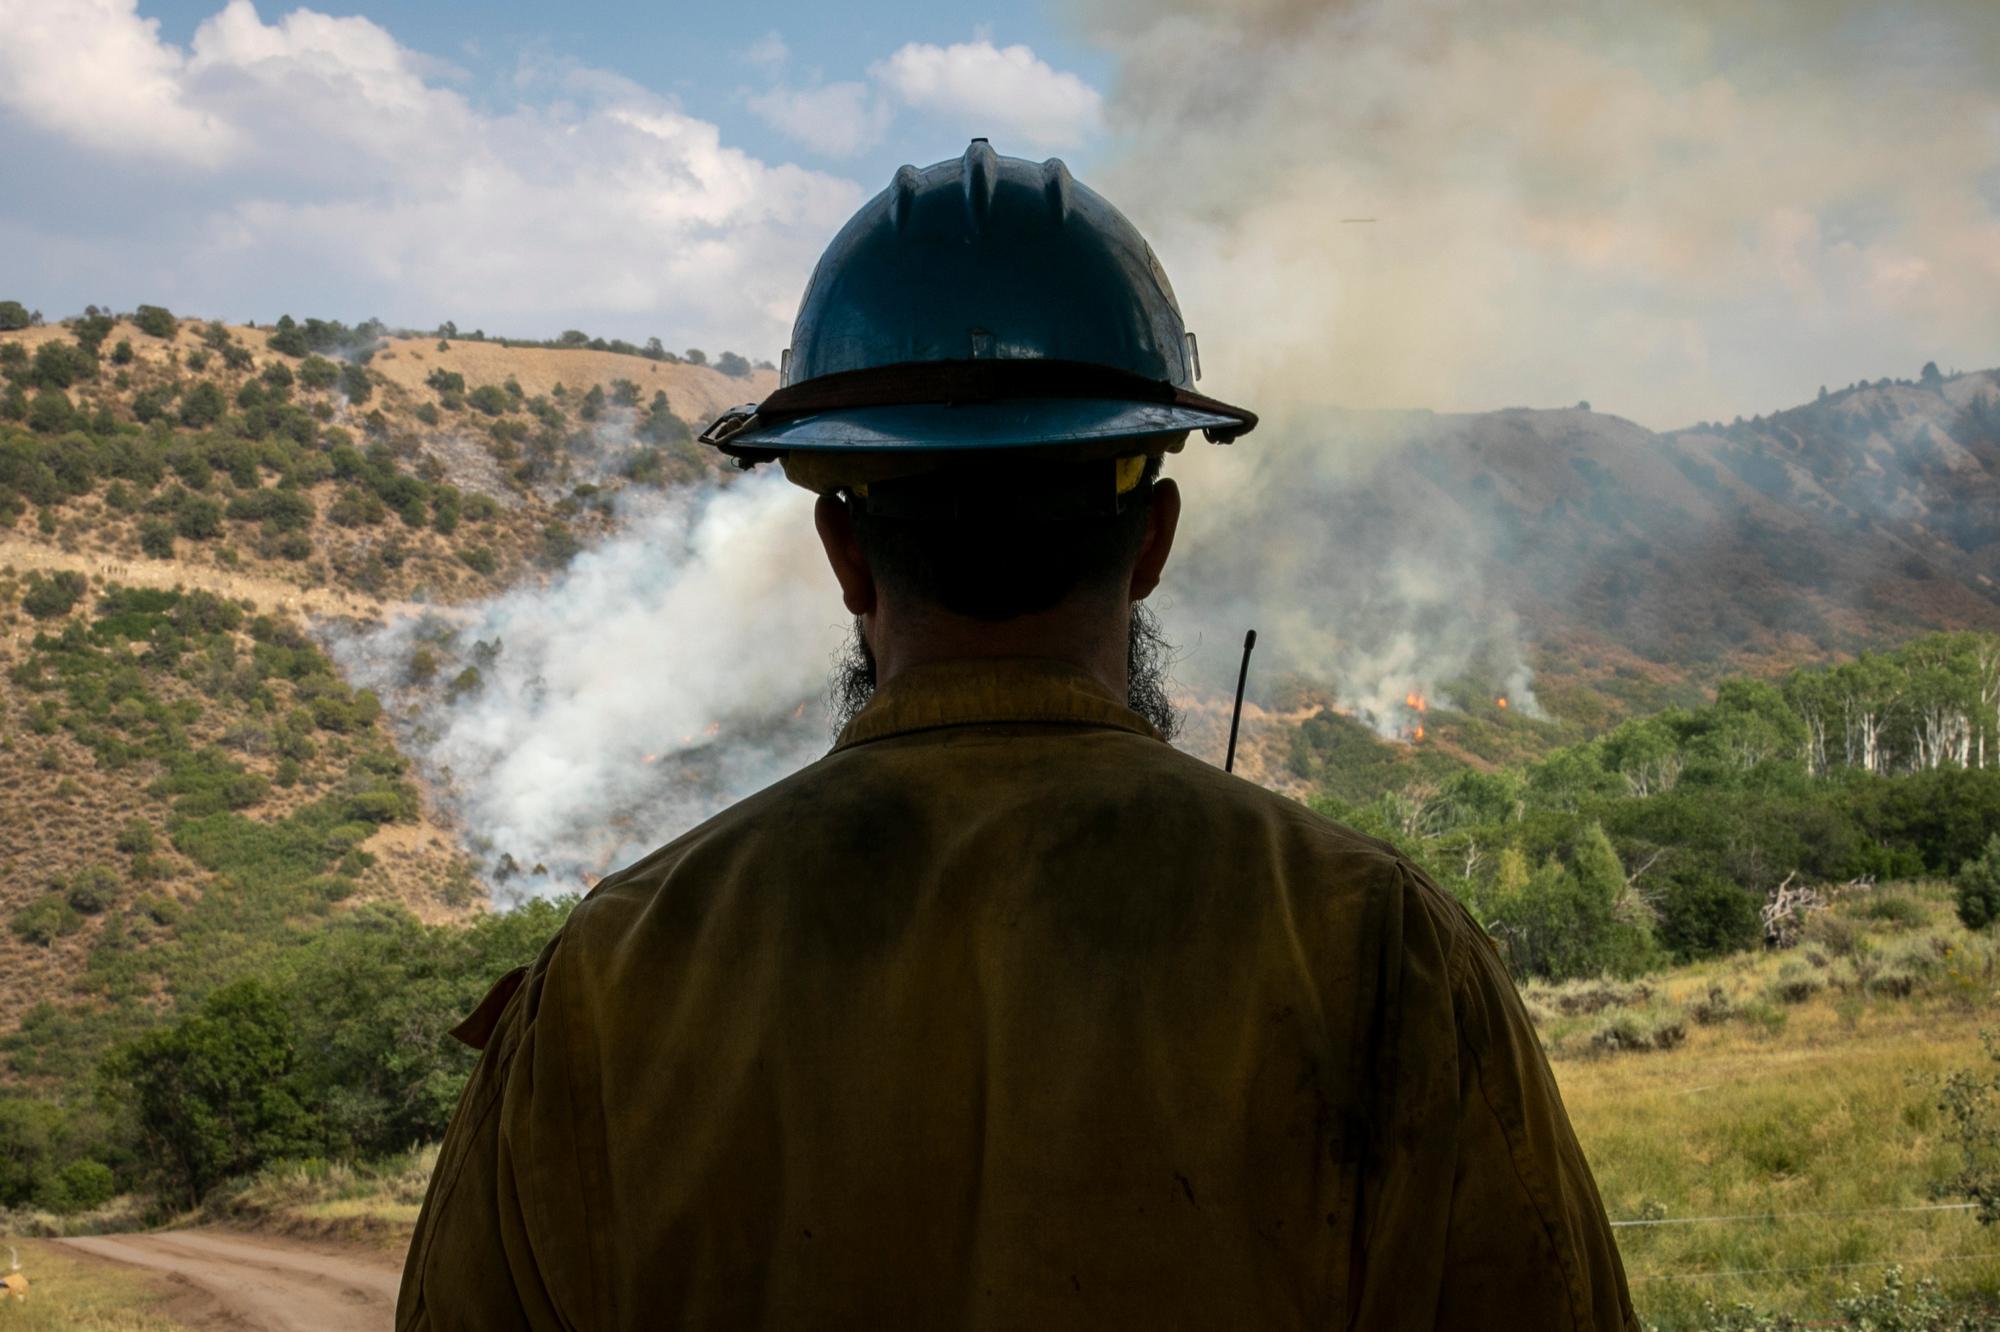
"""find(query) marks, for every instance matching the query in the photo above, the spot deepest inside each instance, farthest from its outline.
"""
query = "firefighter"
(1005, 1013)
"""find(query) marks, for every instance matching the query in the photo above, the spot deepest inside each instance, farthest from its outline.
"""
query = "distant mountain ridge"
(1863, 518)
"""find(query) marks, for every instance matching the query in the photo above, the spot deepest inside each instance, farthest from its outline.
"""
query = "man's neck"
(1085, 633)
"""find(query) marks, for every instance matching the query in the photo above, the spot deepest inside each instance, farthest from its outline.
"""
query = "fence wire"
(1786, 1216)
(1701, 1273)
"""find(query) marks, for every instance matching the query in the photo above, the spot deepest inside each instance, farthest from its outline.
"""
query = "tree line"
(1662, 839)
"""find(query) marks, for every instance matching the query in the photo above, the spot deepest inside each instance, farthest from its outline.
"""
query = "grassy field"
(71, 1294)
(1793, 1092)
(369, 1202)
(1801, 1084)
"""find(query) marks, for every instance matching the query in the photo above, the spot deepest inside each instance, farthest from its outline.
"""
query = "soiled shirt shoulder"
(1007, 1014)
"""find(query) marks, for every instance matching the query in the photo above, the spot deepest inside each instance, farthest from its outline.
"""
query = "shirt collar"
(985, 692)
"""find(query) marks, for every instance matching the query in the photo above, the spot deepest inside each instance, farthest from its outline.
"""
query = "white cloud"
(836, 119)
(97, 73)
(768, 51)
(328, 157)
(1006, 93)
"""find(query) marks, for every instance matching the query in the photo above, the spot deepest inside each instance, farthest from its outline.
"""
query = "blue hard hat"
(982, 303)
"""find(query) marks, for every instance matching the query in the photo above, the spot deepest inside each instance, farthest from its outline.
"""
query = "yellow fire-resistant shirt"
(1007, 1015)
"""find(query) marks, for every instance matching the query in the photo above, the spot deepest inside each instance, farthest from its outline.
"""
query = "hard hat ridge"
(982, 303)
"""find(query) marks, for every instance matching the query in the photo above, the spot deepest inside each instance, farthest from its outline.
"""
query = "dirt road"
(253, 1283)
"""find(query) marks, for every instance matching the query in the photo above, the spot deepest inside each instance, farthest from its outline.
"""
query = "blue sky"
(697, 52)
(1677, 209)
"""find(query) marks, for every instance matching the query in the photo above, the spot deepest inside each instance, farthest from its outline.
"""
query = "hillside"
(416, 491)
(179, 511)
(1627, 569)
(303, 672)
(313, 475)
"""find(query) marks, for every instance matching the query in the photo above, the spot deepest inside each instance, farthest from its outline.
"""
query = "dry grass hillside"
(517, 479)
(181, 772)
(143, 730)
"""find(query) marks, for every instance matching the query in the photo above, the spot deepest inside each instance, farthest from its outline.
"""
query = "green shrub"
(155, 321)
(278, 510)
(203, 404)
(151, 404)
(13, 315)
(92, 890)
(356, 508)
(1713, 1007)
(316, 372)
(60, 365)
(1976, 889)
(136, 837)
(81, 1186)
(45, 920)
(1566, 920)
(354, 383)
(216, 1094)
(446, 381)
(480, 559)
(490, 399)
(54, 594)
(122, 354)
(340, 710)
(1624, 1030)
(50, 413)
(382, 805)
(198, 519)
(1795, 985)
(559, 544)
(1891, 909)
(31, 1133)
(287, 339)
(156, 538)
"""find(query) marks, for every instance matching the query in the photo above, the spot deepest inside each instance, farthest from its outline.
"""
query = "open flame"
(1417, 734)
(1414, 701)
(1501, 703)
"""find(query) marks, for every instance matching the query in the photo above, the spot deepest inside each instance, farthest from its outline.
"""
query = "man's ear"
(1163, 518)
(843, 553)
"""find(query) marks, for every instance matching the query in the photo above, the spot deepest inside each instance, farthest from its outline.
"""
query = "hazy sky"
(1679, 211)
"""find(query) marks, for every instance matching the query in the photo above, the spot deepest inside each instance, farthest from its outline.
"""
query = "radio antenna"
(1236, 714)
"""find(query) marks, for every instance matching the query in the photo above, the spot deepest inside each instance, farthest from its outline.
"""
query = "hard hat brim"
(1009, 423)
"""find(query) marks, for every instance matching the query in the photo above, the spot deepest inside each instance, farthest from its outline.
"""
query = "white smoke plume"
(1312, 532)
(668, 671)
(1667, 208)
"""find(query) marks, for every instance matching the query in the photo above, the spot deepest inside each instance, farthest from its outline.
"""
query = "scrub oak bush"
(155, 320)
(54, 594)
(1977, 887)
(354, 384)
